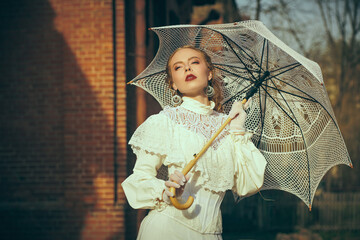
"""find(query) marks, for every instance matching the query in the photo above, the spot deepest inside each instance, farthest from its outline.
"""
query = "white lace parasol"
(291, 116)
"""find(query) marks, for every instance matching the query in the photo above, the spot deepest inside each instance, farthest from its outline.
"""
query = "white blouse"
(171, 138)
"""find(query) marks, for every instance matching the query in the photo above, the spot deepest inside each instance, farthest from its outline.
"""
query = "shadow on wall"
(50, 123)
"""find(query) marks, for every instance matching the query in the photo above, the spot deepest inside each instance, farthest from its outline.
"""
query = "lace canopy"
(291, 116)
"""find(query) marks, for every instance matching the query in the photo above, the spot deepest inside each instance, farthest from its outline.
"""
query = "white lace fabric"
(171, 138)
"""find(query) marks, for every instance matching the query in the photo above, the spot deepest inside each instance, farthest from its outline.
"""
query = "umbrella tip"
(351, 165)
(130, 82)
(149, 28)
(310, 207)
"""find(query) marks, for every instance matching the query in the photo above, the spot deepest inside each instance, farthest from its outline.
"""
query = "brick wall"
(59, 166)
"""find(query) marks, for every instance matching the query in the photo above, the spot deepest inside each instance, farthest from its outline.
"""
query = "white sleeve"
(142, 188)
(249, 165)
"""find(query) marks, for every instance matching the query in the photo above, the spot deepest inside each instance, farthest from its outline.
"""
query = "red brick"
(58, 160)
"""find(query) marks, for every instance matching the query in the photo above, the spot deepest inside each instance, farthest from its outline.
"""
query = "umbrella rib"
(243, 90)
(222, 69)
(308, 163)
(262, 117)
(239, 92)
(262, 56)
(280, 106)
(238, 56)
(310, 97)
(298, 64)
(230, 66)
(278, 90)
(135, 80)
(267, 56)
(285, 70)
(302, 135)
(293, 94)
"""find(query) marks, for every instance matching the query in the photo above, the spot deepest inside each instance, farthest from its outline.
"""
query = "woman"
(173, 136)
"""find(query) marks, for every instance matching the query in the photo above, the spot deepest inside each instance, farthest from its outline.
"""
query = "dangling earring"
(176, 99)
(210, 92)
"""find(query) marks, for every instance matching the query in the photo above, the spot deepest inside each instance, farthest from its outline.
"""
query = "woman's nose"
(187, 68)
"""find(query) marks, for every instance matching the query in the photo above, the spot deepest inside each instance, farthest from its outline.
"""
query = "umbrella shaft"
(256, 86)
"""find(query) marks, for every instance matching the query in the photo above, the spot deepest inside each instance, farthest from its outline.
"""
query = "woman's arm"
(142, 188)
(249, 166)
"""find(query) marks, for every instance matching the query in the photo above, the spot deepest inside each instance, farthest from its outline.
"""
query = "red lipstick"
(190, 77)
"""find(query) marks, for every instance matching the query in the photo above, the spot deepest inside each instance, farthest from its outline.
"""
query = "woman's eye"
(177, 68)
(195, 62)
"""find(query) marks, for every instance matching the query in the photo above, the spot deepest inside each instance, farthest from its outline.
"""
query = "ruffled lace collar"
(197, 107)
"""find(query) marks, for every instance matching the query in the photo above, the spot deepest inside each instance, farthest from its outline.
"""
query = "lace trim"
(197, 107)
(205, 125)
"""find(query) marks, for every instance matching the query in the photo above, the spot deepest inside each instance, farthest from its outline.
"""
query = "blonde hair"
(214, 82)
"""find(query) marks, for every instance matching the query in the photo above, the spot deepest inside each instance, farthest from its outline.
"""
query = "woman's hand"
(178, 181)
(238, 116)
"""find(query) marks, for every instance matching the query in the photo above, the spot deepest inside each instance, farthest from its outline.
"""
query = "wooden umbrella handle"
(191, 164)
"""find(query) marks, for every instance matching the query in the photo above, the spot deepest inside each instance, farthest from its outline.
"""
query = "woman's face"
(189, 72)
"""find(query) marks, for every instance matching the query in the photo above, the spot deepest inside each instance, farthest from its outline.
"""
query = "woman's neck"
(201, 98)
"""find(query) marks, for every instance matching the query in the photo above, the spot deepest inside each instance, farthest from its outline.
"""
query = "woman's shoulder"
(161, 120)
(153, 134)
(169, 111)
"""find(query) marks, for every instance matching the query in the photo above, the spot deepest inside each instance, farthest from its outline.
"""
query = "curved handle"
(178, 205)
(190, 200)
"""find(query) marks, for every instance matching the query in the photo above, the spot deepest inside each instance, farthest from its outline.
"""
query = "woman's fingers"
(178, 177)
(173, 182)
(168, 193)
(170, 184)
(181, 176)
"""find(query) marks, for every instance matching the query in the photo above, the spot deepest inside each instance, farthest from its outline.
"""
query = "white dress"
(171, 138)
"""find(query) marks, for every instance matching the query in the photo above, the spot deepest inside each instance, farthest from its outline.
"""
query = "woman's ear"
(174, 87)
(210, 75)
